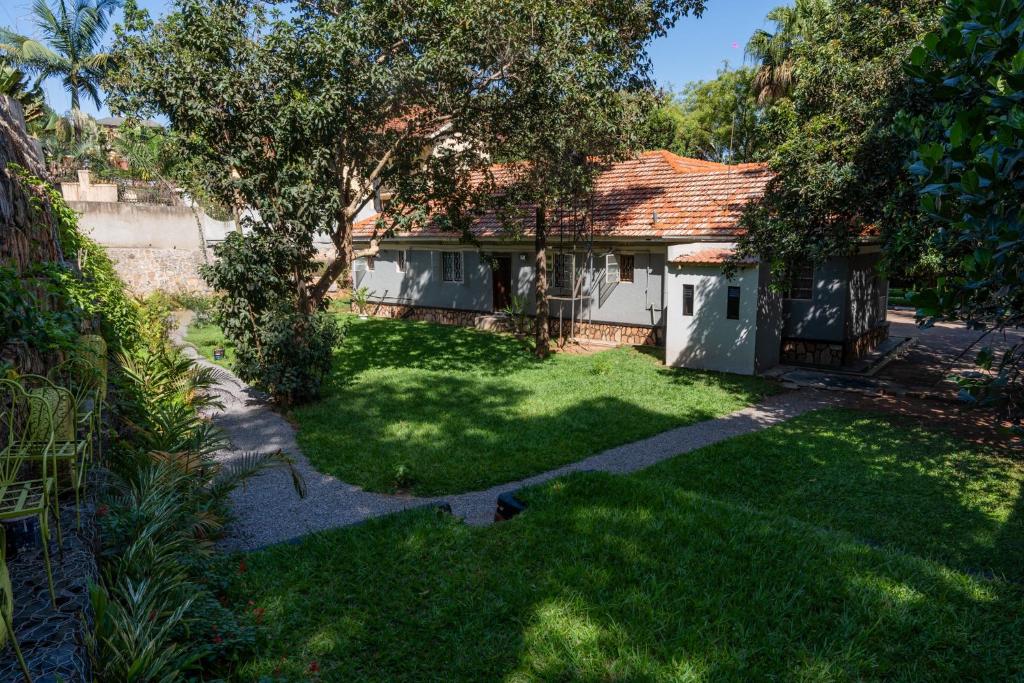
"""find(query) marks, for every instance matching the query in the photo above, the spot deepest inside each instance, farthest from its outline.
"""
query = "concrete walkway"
(268, 510)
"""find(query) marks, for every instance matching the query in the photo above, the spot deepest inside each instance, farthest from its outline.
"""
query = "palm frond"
(231, 475)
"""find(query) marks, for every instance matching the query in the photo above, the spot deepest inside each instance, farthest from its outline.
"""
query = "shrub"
(283, 342)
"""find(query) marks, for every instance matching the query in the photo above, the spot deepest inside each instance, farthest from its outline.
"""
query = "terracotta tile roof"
(657, 195)
(709, 257)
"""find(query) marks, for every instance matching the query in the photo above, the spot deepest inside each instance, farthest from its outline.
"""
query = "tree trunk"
(339, 266)
(541, 265)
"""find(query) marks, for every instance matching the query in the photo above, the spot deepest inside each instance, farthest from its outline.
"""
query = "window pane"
(370, 262)
(611, 269)
(732, 311)
(687, 299)
(626, 268)
(400, 261)
(801, 284)
(458, 266)
(448, 266)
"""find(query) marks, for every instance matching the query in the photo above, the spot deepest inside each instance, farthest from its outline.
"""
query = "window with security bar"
(801, 283)
(451, 266)
(562, 272)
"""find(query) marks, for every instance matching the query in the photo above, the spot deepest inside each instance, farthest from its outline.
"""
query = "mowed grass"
(206, 338)
(435, 409)
(796, 572)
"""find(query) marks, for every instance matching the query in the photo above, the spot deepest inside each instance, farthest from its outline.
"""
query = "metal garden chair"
(72, 434)
(24, 417)
(7, 608)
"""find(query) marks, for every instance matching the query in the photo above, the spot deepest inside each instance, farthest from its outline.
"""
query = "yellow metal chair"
(7, 608)
(25, 494)
(72, 433)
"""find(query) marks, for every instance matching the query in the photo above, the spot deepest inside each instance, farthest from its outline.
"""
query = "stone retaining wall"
(866, 343)
(170, 270)
(604, 332)
(809, 352)
(832, 354)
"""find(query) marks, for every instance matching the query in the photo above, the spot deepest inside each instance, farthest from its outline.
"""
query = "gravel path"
(268, 511)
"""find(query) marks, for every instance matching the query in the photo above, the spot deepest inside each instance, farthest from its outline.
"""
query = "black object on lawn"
(508, 507)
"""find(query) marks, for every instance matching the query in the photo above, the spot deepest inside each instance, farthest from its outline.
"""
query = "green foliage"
(161, 610)
(360, 299)
(718, 120)
(72, 32)
(840, 159)
(279, 346)
(30, 313)
(970, 170)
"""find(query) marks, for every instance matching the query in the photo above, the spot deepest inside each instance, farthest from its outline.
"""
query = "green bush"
(283, 343)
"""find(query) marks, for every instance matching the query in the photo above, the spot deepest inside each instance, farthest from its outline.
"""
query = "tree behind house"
(304, 119)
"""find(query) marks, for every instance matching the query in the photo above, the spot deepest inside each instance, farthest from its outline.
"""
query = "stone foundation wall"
(604, 332)
(832, 354)
(148, 270)
(807, 352)
(866, 343)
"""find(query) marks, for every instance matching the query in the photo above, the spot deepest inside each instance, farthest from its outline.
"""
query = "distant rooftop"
(116, 121)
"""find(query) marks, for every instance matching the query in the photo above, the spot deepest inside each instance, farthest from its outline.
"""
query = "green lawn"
(208, 337)
(828, 548)
(455, 409)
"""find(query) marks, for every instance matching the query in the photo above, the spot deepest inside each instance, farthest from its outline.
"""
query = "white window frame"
(401, 260)
(611, 269)
(461, 269)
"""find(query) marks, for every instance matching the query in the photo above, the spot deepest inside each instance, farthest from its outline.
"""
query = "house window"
(687, 299)
(562, 276)
(400, 261)
(732, 309)
(451, 266)
(370, 262)
(611, 269)
(625, 267)
(801, 283)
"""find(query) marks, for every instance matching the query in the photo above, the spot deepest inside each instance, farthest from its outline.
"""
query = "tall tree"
(970, 171)
(774, 51)
(72, 33)
(316, 113)
(840, 166)
(720, 120)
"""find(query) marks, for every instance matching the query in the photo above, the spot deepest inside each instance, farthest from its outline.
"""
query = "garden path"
(268, 510)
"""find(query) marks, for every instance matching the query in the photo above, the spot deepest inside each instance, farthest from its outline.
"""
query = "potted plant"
(360, 299)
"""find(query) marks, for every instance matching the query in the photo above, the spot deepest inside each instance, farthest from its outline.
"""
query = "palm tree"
(72, 31)
(773, 51)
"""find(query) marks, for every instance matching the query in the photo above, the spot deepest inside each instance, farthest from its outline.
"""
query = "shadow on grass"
(621, 578)
(869, 475)
(380, 343)
(461, 432)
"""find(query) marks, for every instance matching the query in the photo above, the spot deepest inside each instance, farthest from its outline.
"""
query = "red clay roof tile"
(657, 195)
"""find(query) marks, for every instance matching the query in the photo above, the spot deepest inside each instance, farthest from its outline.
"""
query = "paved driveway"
(934, 356)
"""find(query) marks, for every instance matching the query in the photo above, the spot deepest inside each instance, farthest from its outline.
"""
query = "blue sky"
(693, 50)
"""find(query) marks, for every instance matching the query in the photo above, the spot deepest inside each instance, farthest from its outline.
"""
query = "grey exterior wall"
(631, 303)
(823, 317)
(868, 292)
(421, 283)
(770, 320)
(848, 300)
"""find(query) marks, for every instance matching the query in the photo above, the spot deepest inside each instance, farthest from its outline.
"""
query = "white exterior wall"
(708, 340)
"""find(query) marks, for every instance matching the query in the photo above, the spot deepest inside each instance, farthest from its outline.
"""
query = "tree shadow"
(619, 578)
(380, 343)
(459, 432)
(885, 483)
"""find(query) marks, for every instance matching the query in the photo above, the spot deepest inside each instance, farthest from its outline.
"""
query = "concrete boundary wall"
(153, 246)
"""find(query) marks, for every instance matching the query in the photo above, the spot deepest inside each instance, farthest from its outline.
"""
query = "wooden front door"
(501, 274)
